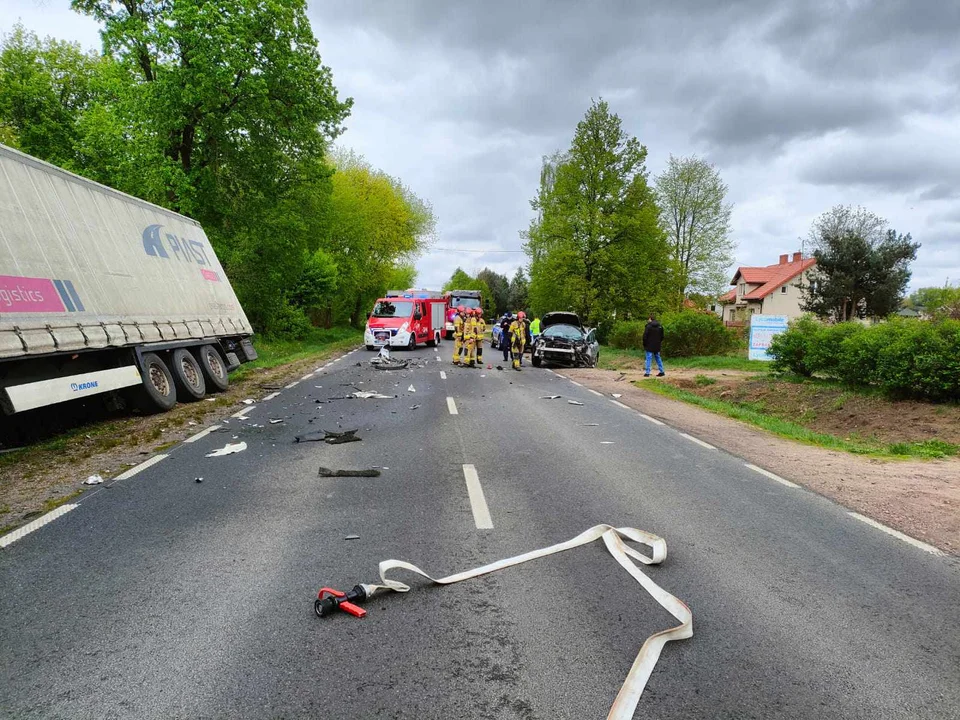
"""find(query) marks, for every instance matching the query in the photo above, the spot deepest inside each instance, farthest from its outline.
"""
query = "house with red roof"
(769, 290)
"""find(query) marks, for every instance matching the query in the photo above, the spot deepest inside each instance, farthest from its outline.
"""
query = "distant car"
(564, 340)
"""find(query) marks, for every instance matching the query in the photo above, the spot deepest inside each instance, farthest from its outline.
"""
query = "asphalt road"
(160, 597)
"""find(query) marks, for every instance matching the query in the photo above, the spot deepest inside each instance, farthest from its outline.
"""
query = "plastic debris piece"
(328, 473)
(548, 397)
(329, 437)
(574, 402)
(414, 407)
(93, 480)
(606, 442)
(274, 422)
(198, 480)
(249, 401)
(366, 395)
(228, 449)
(411, 389)
(591, 425)
(352, 537)
(191, 422)
(618, 395)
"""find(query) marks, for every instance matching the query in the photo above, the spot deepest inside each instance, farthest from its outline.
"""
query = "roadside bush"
(627, 335)
(790, 350)
(919, 359)
(685, 334)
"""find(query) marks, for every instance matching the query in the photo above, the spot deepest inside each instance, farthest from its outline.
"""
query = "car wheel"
(159, 391)
(596, 360)
(536, 360)
(214, 371)
(412, 345)
(187, 375)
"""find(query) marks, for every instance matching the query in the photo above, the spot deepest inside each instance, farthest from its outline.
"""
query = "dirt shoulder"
(919, 498)
(41, 477)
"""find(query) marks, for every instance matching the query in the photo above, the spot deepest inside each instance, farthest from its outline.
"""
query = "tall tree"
(518, 294)
(696, 217)
(499, 290)
(863, 266)
(596, 246)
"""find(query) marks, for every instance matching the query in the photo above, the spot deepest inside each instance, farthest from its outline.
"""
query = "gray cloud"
(802, 105)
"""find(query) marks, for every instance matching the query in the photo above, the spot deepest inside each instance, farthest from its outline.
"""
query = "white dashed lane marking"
(202, 434)
(35, 525)
(443, 375)
(770, 475)
(452, 406)
(478, 503)
(897, 534)
(127, 474)
(698, 441)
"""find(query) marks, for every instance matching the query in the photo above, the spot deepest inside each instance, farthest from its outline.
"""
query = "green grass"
(616, 359)
(793, 431)
(273, 353)
(703, 380)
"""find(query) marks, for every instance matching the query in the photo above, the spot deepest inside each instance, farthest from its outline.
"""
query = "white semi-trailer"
(102, 292)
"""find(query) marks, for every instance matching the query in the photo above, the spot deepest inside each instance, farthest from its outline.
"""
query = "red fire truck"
(406, 318)
(455, 298)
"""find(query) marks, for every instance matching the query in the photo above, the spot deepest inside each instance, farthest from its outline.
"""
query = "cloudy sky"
(801, 105)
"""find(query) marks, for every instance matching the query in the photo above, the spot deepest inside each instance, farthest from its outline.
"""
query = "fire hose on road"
(329, 600)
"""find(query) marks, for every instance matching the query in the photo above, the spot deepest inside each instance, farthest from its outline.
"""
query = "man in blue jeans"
(652, 342)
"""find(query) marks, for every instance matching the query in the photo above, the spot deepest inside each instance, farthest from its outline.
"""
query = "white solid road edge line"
(35, 525)
(576, 383)
(770, 475)
(600, 394)
(202, 434)
(127, 474)
(271, 396)
(307, 376)
(620, 404)
(897, 534)
(452, 406)
(243, 413)
(478, 503)
(652, 419)
(292, 385)
(698, 441)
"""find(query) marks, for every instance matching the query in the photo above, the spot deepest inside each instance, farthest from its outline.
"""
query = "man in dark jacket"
(505, 338)
(652, 342)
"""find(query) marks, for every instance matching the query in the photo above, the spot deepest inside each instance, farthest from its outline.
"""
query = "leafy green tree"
(696, 217)
(519, 292)
(461, 280)
(596, 246)
(863, 266)
(937, 302)
(499, 290)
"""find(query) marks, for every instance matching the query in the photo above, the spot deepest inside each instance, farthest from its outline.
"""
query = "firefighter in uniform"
(517, 335)
(469, 348)
(480, 330)
(458, 335)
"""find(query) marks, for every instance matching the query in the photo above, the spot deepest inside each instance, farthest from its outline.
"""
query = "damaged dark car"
(565, 341)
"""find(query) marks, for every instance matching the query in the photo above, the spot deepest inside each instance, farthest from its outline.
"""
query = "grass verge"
(616, 359)
(927, 449)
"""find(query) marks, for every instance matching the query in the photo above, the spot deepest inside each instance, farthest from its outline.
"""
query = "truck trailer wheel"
(214, 371)
(187, 375)
(160, 393)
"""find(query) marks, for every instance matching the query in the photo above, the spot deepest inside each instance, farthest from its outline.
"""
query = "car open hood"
(560, 318)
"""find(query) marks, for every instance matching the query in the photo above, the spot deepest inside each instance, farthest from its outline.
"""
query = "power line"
(436, 249)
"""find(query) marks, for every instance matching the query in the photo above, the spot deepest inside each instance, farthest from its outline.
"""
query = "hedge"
(685, 334)
(904, 358)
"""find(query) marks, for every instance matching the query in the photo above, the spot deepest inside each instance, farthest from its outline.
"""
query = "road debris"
(329, 437)
(622, 377)
(93, 480)
(352, 537)
(414, 407)
(328, 473)
(228, 449)
(500, 367)
(411, 389)
(366, 395)
(248, 401)
(198, 480)
(548, 397)
(383, 361)
(590, 425)
(607, 442)
(574, 402)
(617, 395)
(274, 422)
